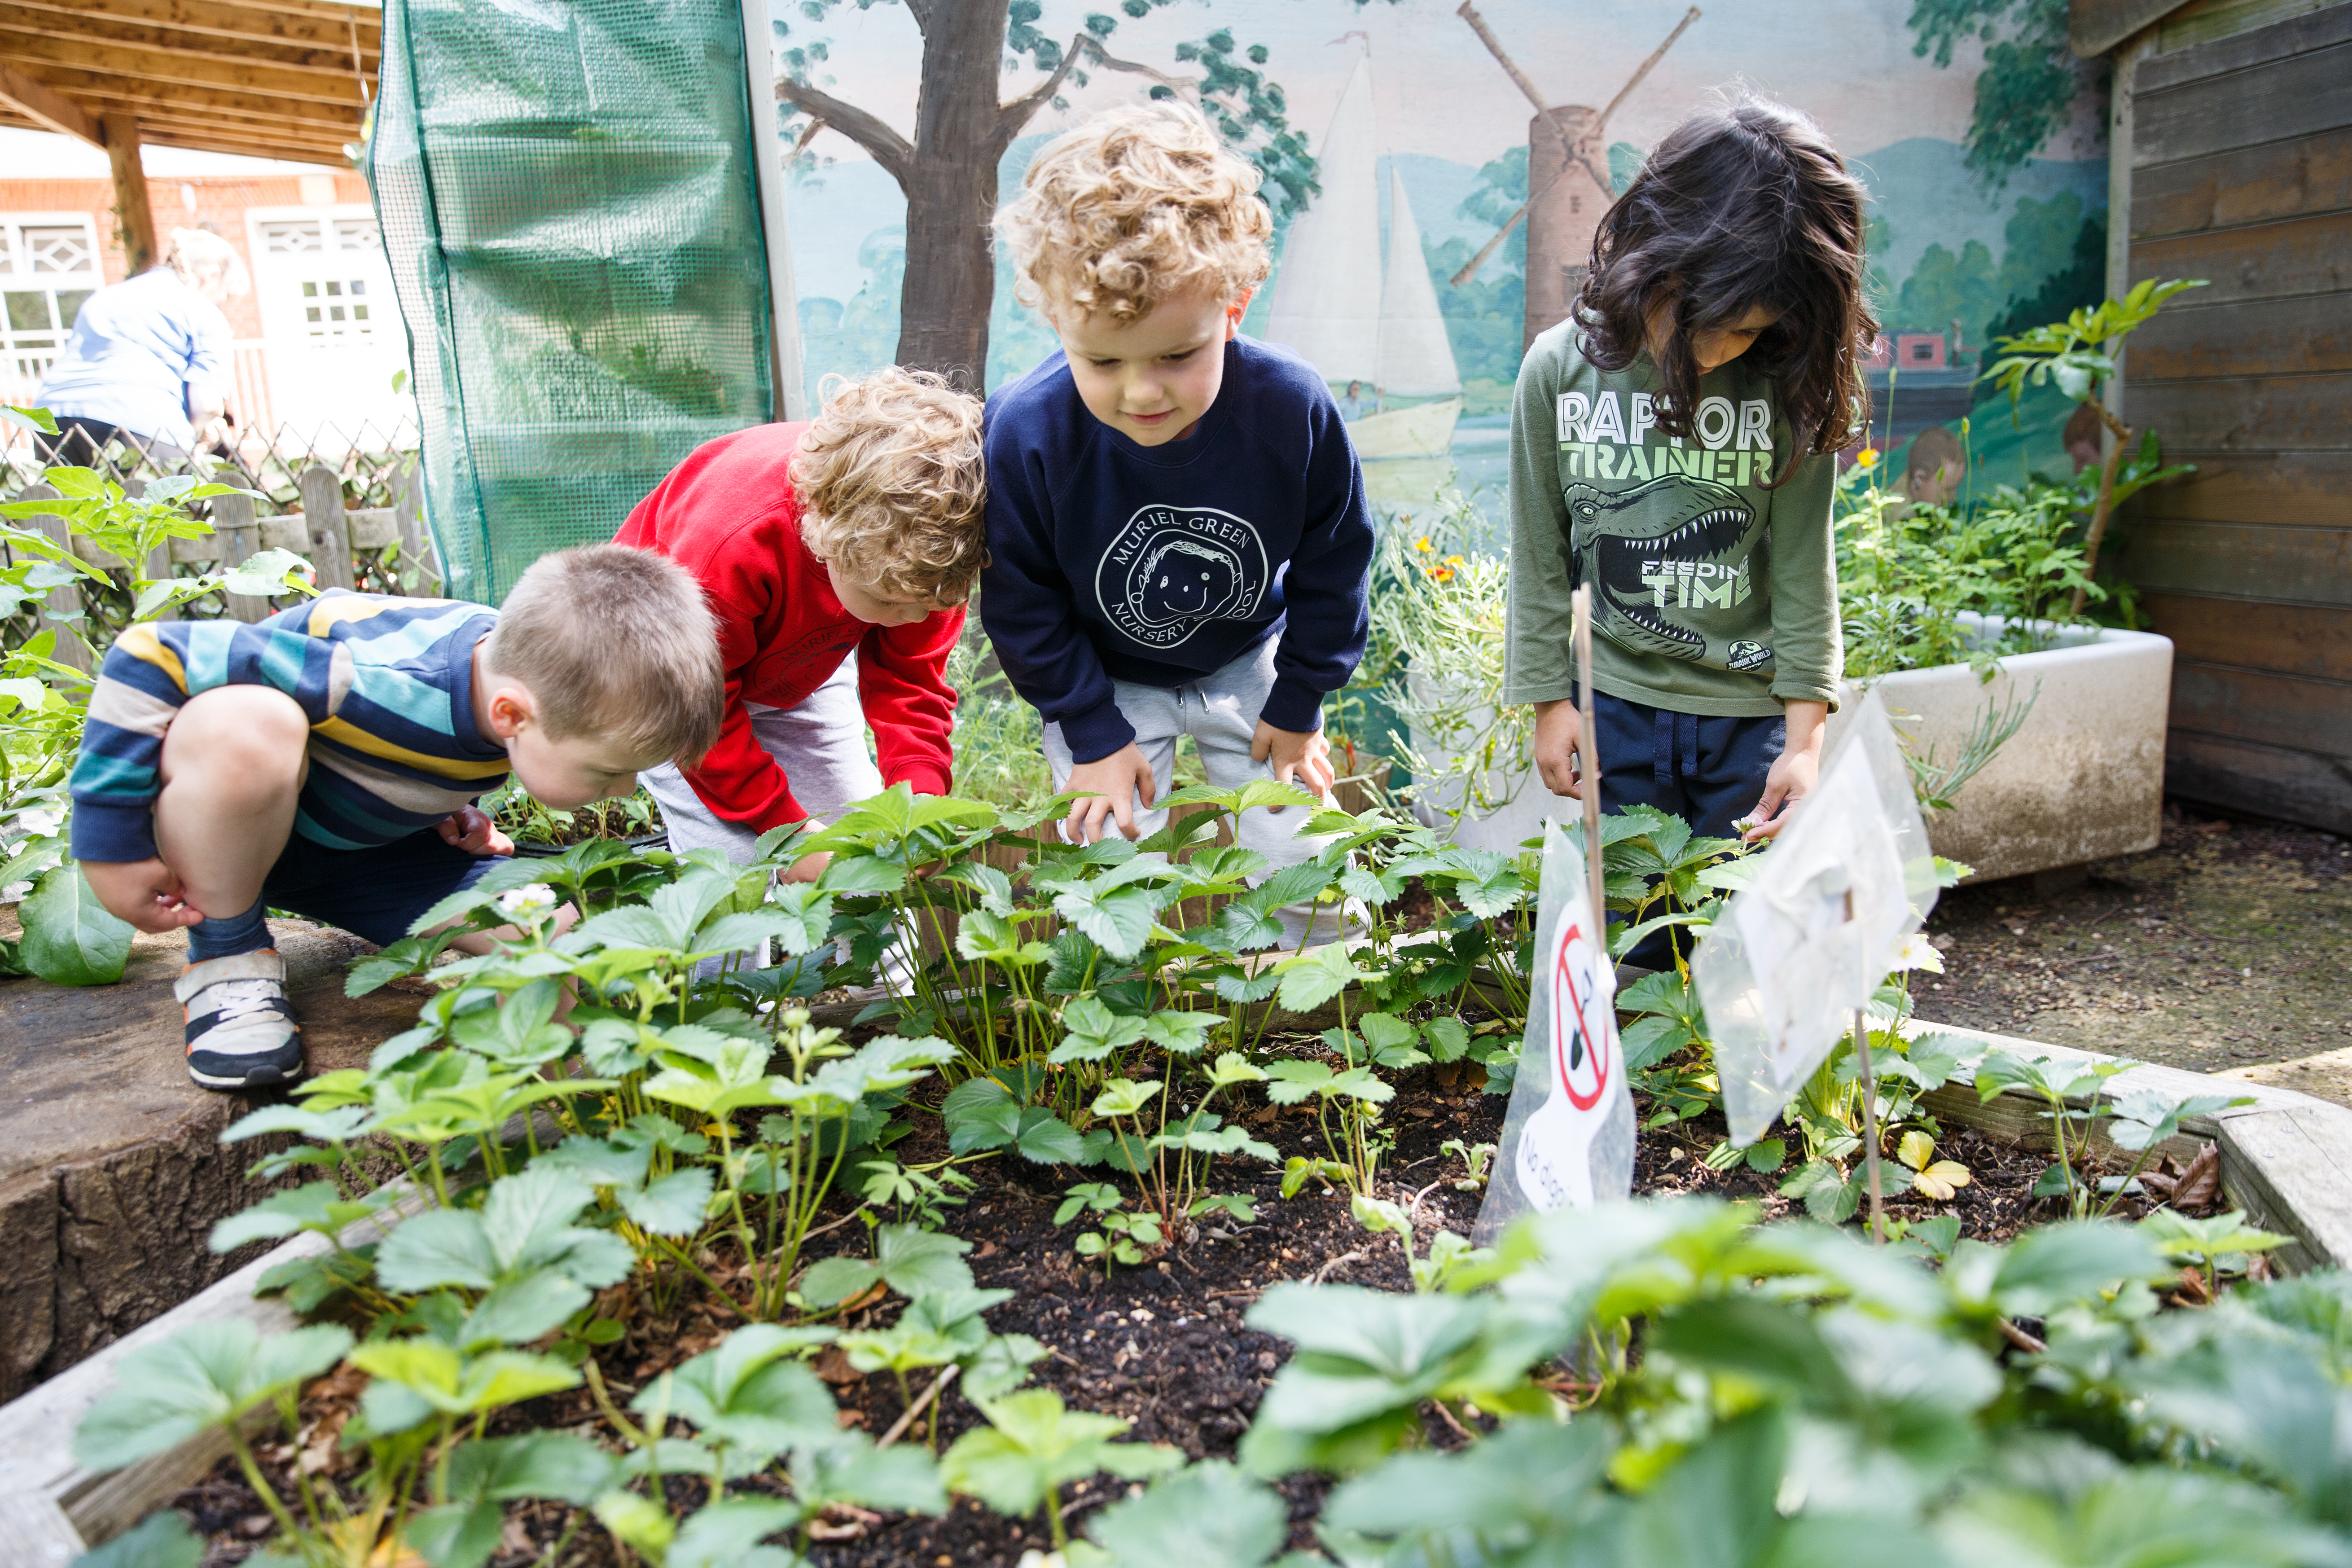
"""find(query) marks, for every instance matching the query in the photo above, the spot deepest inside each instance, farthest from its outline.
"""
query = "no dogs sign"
(1567, 1140)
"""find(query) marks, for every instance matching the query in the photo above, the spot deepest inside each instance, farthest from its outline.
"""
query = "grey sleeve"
(1808, 647)
(1538, 662)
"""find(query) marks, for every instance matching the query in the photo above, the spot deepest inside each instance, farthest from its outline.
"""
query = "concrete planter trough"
(2083, 778)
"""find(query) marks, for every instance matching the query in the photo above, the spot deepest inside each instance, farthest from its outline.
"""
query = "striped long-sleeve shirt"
(387, 685)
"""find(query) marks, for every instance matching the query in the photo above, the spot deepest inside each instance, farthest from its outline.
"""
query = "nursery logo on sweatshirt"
(1172, 568)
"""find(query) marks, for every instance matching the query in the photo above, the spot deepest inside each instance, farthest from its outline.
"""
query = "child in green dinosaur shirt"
(1672, 445)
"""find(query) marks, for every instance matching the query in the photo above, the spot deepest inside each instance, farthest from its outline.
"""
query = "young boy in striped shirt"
(325, 761)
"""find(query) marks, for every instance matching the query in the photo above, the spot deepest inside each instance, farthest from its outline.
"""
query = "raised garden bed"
(1181, 1333)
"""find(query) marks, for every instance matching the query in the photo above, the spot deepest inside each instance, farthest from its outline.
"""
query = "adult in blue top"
(148, 353)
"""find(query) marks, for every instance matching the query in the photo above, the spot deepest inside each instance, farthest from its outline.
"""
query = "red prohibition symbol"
(1578, 1058)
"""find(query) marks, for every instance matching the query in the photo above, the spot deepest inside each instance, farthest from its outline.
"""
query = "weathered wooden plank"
(2271, 413)
(2094, 26)
(287, 531)
(417, 548)
(2295, 711)
(2249, 561)
(2286, 640)
(65, 599)
(322, 513)
(2260, 261)
(2299, 178)
(2297, 96)
(2245, 50)
(2292, 1164)
(2302, 489)
(2307, 334)
(2274, 781)
(373, 527)
(2209, 21)
(240, 539)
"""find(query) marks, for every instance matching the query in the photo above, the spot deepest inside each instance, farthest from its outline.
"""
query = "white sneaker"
(241, 1032)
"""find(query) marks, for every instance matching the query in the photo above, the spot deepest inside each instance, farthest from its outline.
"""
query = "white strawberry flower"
(528, 903)
(1918, 953)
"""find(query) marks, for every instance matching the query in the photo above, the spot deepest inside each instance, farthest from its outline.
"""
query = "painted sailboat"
(1355, 320)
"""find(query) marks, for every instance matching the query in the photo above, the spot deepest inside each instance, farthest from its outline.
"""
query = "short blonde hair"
(1136, 204)
(617, 643)
(892, 488)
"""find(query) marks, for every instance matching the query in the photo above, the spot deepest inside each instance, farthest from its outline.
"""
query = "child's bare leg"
(233, 762)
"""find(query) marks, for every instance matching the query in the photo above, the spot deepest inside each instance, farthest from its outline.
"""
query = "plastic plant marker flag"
(1805, 943)
(569, 203)
(1568, 1138)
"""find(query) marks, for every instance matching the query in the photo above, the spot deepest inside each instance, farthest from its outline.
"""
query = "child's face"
(564, 774)
(871, 603)
(1713, 347)
(1152, 378)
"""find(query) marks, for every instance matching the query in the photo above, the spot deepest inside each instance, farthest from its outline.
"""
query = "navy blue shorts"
(376, 893)
(1707, 771)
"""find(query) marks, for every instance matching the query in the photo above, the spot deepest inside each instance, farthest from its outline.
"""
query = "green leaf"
(1034, 1445)
(1117, 921)
(1311, 979)
(1092, 1031)
(162, 1540)
(726, 1533)
(205, 1376)
(910, 1260)
(751, 1392)
(1207, 1515)
(42, 422)
(456, 1534)
(519, 1310)
(315, 1206)
(70, 939)
(674, 1205)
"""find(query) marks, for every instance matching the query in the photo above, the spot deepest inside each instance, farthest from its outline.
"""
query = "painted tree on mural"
(2027, 88)
(963, 127)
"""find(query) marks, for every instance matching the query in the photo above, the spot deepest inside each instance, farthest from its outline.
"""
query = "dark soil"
(2228, 948)
(1164, 1344)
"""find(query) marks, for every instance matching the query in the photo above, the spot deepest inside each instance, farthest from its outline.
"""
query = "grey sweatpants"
(1220, 711)
(821, 746)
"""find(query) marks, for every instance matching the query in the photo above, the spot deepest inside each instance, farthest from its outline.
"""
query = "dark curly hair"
(1746, 206)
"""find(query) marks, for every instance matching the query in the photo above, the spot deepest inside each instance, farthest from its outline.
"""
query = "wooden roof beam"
(46, 107)
(86, 31)
(217, 19)
(103, 94)
(26, 51)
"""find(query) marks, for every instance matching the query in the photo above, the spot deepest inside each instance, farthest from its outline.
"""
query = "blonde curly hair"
(1136, 204)
(892, 487)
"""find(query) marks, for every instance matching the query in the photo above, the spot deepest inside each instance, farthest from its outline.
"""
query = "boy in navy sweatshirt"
(1177, 528)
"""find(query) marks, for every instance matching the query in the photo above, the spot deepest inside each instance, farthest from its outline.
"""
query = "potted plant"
(1980, 619)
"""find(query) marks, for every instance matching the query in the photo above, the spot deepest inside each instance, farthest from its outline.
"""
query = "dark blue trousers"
(1707, 771)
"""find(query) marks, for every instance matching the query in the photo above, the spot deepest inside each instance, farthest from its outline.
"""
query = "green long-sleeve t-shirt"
(1712, 593)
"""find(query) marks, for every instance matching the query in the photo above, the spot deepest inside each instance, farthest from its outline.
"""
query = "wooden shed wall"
(2241, 173)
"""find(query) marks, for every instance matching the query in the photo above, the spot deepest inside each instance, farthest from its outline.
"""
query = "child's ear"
(1233, 313)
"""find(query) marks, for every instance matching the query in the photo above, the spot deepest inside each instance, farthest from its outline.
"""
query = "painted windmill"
(1569, 182)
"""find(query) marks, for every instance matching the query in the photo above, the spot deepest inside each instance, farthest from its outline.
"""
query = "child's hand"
(1303, 758)
(1115, 782)
(1793, 772)
(469, 828)
(146, 893)
(807, 868)
(1560, 748)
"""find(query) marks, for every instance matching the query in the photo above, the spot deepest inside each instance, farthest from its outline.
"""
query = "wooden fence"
(378, 547)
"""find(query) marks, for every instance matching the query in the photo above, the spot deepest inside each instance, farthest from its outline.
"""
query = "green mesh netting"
(567, 196)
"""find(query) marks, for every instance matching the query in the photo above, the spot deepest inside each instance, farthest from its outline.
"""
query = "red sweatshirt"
(730, 515)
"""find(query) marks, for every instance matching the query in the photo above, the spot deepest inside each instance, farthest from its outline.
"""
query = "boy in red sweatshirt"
(836, 556)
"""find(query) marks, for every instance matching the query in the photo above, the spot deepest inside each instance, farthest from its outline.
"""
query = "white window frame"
(286, 324)
(26, 354)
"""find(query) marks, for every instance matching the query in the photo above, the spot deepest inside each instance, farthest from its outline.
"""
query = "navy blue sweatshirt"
(1110, 560)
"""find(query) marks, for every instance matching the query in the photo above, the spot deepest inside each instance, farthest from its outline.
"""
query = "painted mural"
(1429, 222)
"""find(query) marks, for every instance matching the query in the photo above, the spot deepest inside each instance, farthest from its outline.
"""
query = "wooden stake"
(1870, 1126)
(1588, 755)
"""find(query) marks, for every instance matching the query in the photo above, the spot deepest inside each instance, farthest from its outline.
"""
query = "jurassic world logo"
(1172, 568)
